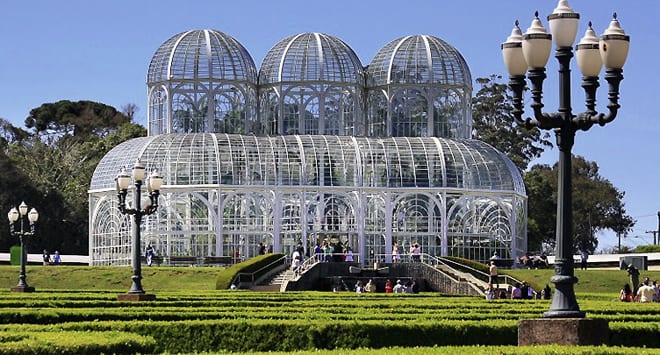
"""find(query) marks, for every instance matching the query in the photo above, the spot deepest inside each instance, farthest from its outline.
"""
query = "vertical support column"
(277, 223)
(564, 304)
(388, 224)
(219, 245)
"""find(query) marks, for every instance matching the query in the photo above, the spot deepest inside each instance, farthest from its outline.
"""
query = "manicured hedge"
(197, 321)
(74, 342)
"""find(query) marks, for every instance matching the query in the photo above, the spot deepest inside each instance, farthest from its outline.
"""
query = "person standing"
(546, 293)
(396, 256)
(583, 259)
(318, 252)
(261, 249)
(388, 286)
(399, 288)
(296, 262)
(56, 258)
(416, 253)
(149, 254)
(46, 257)
(492, 279)
(370, 287)
(348, 257)
(634, 277)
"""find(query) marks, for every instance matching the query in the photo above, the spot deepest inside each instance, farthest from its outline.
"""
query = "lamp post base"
(563, 331)
(136, 297)
(22, 289)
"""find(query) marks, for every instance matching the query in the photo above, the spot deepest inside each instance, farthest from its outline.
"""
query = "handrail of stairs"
(250, 278)
(508, 280)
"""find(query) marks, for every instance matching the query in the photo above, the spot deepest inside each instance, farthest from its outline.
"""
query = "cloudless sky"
(100, 51)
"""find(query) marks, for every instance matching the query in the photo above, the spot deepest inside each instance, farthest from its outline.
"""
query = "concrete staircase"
(274, 283)
(463, 276)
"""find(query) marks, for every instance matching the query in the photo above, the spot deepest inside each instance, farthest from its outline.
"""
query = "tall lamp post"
(529, 54)
(654, 240)
(154, 182)
(14, 216)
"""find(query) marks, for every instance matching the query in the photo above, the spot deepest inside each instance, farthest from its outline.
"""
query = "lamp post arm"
(153, 206)
(121, 196)
(613, 77)
(541, 120)
(517, 85)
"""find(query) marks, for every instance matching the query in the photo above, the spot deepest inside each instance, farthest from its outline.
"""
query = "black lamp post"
(154, 182)
(532, 51)
(14, 216)
(654, 240)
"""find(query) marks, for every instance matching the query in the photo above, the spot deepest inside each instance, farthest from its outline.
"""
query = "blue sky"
(100, 51)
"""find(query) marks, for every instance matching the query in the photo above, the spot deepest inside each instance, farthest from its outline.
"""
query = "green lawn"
(155, 279)
(115, 278)
(605, 281)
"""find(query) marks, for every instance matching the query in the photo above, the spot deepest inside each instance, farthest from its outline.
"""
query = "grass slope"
(115, 278)
(605, 281)
(118, 278)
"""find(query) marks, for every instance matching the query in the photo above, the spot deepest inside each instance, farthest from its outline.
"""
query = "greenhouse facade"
(313, 147)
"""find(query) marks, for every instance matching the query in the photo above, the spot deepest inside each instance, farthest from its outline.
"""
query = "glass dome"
(419, 86)
(219, 189)
(311, 83)
(201, 81)
(309, 57)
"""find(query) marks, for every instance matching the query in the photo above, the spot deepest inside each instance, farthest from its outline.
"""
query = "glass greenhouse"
(316, 147)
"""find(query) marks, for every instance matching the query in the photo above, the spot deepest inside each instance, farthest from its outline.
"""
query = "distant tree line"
(49, 164)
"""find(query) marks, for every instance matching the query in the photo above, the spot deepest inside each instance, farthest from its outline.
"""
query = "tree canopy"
(494, 124)
(77, 119)
(597, 205)
(50, 166)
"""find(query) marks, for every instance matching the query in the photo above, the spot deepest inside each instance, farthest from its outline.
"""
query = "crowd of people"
(646, 291)
(409, 286)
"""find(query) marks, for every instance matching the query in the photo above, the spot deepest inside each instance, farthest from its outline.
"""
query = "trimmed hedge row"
(16, 342)
(290, 335)
(252, 321)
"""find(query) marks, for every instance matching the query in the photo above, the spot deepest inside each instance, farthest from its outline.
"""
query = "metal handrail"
(251, 275)
(509, 280)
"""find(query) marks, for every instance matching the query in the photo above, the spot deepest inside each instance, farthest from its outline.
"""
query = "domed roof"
(311, 57)
(419, 59)
(218, 158)
(202, 55)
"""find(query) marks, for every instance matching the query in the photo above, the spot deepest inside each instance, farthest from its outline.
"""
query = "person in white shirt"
(349, 255)
(399, 288)
(645, 293)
